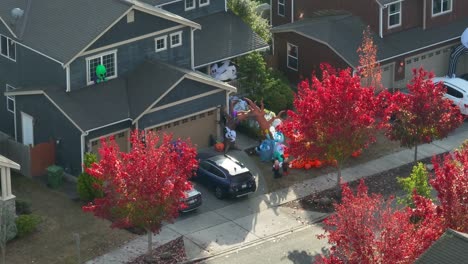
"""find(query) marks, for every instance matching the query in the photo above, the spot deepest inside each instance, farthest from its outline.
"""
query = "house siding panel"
(411, 16)
(178, 8)
(311, 54)
(51, 124)
(133, 54)
(182, 110)
(459, 10)
(277, 19)
(143, 24)
(185, 89)
(30, 69)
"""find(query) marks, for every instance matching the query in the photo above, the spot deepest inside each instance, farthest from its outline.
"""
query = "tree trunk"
(150, 240)
(338, 175)
(415, 154)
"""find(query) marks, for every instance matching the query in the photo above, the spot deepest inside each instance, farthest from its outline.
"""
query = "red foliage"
(423, 115)
(451, 184)
(333, 117)
(144, 187)
(367, 229)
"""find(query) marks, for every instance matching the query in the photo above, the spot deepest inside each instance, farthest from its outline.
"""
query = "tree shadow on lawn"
(54, 242)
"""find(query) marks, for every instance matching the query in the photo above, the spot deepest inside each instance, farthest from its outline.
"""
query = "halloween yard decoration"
(233, 118)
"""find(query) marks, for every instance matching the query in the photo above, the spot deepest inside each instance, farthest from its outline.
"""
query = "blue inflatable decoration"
(265, 150)
(278, 137)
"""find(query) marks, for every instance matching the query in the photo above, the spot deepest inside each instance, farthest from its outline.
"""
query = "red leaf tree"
(423, 115)
(367, 229)
(369, 67)
(333, 117)
(142, 188)
(451, 184)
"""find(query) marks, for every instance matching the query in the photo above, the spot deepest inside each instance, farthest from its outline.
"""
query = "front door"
(27, 128)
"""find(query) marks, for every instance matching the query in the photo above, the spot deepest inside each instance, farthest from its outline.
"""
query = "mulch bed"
(170, 253)
(384, 183)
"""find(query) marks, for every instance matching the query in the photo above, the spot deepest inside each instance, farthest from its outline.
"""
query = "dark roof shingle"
(451, 247)
(224, 35)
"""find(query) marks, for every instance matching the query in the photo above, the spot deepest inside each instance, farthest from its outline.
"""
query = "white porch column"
(8, 183)
(4, 182)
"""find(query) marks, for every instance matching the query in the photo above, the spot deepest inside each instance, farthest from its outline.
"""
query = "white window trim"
(100, 55)
(287, 55)
(443, 12)
(12, 98)
(8, 48)
(399, 14)
(179, 33)
(205, 4)
(156, 43)
(189, 8)
(284, 7)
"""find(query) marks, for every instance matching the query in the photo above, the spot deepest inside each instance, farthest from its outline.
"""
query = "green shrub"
(85, 185)
(264, 84)
(419, 181)
(27, 224)
(246, 9)
(22, 207)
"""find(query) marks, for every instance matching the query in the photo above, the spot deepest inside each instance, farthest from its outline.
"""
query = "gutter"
(292, 11)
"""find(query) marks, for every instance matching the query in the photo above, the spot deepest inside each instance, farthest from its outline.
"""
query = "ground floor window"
(10, 99)
(293, 57)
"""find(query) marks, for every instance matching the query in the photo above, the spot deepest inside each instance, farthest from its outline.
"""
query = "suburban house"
(408, 34)
(75, 71)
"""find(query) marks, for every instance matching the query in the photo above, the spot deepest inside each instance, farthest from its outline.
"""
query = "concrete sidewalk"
(257, 219)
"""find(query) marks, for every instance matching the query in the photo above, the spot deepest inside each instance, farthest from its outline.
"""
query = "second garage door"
(121, 138)
(197, 127)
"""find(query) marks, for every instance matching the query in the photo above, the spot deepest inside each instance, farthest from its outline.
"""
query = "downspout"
(83, 149)
(67, 70)
(424, 14)
(292, 11)
(192, 47)
(271, 12)
(16, 130)
(225, 5)
(381, 22)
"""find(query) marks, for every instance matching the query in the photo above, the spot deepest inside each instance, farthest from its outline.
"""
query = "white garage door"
(387, 75)
(436, 60)
(197, 127)
(121, 138)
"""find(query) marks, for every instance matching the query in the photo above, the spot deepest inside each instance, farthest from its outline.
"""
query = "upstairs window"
(189, 5)
(176, 39)
(293, 57)
(108, 59)
(204, 2)
(394, 15)
(8, 47)
(160, 43)
(10, 99)
(281, 8)
(440, 7)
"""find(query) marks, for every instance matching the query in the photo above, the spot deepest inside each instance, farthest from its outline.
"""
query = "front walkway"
(259, 218)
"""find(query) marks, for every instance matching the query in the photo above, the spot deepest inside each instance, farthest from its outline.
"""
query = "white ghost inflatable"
(464, 38)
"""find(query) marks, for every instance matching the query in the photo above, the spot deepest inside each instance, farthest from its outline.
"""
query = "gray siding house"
(156, 54)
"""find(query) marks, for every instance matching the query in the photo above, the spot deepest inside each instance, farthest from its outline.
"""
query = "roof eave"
(161, 13)
(8, 27)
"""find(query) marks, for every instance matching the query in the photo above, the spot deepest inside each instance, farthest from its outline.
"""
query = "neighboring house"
(451, 247)
(408, 34)
(154, 53)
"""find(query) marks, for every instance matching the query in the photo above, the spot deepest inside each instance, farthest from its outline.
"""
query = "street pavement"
(221, 227)
(298, 247)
